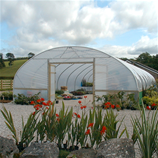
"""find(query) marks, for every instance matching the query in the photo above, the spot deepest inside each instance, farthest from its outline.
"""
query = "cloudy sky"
(120, 28)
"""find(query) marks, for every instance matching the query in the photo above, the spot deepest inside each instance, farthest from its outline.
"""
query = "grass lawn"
(9, 71)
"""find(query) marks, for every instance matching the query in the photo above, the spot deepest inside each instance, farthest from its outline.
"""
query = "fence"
(6, 84)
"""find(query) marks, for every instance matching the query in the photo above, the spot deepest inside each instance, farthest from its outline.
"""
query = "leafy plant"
(145, 132)
(28, 130)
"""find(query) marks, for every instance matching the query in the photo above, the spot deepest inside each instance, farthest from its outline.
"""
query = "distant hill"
(10, 71)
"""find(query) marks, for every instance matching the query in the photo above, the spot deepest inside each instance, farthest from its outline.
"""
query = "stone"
(41, 150)
(116, 148)
(82, 153)
(7, 148)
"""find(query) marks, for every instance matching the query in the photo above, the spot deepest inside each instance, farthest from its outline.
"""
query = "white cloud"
(145, 44)
(41, 25)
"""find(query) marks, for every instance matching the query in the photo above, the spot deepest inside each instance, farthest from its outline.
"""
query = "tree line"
(144, 58)
(10, 57)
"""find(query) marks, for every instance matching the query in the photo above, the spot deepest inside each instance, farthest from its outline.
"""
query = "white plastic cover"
(72, 64)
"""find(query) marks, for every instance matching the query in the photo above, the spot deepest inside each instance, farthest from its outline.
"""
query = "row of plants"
(70, 130)
(25, 100)
(6, 96)
(123, 100)
(120, 100)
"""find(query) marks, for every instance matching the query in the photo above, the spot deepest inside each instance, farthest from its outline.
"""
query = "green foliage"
(59, 92)
(7, 95)
(145, 132)
(112, 125)
(28, 130)
(63, 153)
(147, 59)
(24, 100)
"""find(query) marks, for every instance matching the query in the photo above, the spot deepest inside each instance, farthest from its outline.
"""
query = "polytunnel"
(68, 66)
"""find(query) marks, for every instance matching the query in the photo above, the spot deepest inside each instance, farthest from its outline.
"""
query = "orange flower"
(87, 132)
(32, 102)
(90, 125)
(78, 116)
(57, 115)
(85, 96)
(148, 107)
(79, 102)
(33, 113)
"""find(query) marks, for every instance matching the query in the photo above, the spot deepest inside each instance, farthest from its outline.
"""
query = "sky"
(121, 28)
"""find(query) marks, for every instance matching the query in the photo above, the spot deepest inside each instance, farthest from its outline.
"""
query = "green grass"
(9, 71)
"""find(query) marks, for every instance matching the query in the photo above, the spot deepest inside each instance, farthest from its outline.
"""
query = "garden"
(86, 127)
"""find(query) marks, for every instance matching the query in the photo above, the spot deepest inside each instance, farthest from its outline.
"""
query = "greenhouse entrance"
(70, 75)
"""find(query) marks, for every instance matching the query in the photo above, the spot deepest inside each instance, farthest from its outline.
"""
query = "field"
(9, 71)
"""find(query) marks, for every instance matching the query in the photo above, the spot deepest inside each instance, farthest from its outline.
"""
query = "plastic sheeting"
(73, 64)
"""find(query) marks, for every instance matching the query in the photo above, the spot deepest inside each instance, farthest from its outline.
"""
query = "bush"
(23, 100)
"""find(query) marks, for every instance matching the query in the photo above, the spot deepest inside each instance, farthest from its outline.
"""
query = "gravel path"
(24, 110)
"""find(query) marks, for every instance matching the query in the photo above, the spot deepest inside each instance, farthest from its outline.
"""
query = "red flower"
(57, 115)
(47, 107)
(87, 132)
(33, 113)
(49, 102)
(85, 96)
(79, 102)
(81, 107)
(153, 104)
(117, 106)
(32, 102)
(45, 104)
(37, 108)
(148, 107)
(107, 103)
(103, 130)
(78, 116)
(112, 106)
(42, 99)
(106, 107)
(39, 100)
(75, 113)
(84, 106)
(90, 125)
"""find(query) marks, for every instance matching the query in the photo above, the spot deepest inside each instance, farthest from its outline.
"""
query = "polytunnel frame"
(50, 92)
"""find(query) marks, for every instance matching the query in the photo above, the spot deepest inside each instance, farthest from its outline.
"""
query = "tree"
(30, 55)
(10, 57)
(1, 61)
(144, 58)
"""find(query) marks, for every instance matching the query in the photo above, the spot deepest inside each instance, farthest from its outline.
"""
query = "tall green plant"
(111, 122)
(145, 132)
(28, 130)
